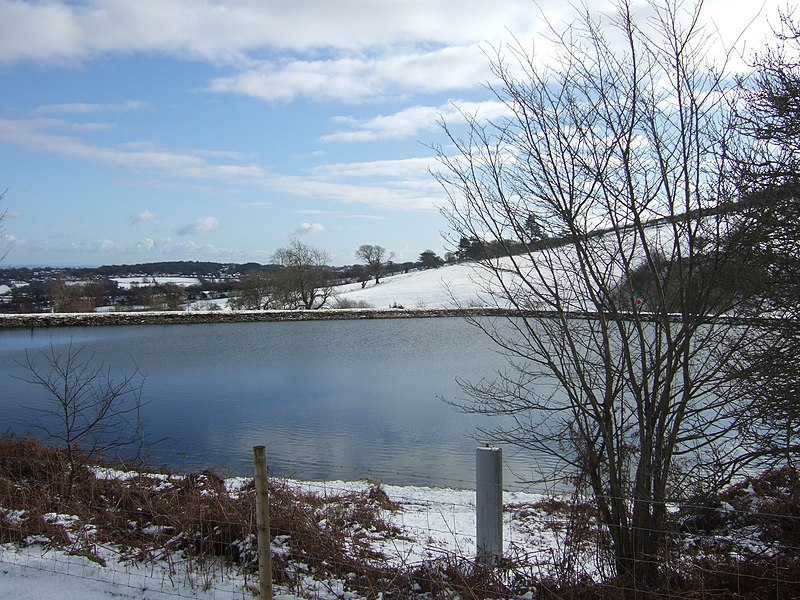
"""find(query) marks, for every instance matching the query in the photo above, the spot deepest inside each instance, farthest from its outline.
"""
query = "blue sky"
(148, 130)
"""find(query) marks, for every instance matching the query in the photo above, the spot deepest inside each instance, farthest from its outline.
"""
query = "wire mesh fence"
(160, 535)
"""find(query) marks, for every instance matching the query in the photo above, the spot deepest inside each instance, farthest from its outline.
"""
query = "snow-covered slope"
(446, 287)
(465, 284)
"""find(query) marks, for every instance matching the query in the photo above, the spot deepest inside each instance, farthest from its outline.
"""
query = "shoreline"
(49, 320)
(109, 319)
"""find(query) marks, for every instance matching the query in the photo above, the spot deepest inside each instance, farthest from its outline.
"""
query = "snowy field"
(445, 287)
(127, 283)
(452, 286)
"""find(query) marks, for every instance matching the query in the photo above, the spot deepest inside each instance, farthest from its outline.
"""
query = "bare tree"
(626, 129)
(86, 410)
(170, 296)
(376, 259)
(304, 280)
(256, 291)
(69, 296)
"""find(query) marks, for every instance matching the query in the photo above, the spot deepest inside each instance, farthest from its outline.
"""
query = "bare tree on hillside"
(376, 259)
(628, 125)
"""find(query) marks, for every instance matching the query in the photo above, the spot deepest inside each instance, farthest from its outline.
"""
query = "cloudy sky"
(148, 130)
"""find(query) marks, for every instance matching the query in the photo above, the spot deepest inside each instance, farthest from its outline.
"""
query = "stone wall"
(44, 320)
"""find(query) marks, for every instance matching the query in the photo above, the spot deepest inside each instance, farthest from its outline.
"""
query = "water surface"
(329, 399)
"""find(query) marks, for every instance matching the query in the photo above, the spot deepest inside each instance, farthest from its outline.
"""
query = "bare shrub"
(348, 303)
(87, 410)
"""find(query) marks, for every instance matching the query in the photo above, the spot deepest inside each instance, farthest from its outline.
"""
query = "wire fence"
(160, 535)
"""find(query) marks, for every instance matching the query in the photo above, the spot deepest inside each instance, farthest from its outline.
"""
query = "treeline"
(300, 277)
(533, 237)
(181, 268)
(190, 268)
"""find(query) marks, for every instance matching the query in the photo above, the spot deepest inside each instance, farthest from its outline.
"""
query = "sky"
(220, 130)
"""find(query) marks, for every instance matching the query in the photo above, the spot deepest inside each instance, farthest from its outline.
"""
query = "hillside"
(446, 287)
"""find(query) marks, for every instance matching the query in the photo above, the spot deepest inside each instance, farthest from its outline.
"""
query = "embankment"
(45, 320)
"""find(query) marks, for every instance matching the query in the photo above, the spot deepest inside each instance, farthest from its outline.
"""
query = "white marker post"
(262, 523)
(489, 504)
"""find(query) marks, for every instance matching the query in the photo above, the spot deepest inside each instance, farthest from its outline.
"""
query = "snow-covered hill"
(446, 287)
(465, 285)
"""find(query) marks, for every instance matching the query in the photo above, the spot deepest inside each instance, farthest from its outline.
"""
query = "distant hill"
(181, 268)
(184, 268)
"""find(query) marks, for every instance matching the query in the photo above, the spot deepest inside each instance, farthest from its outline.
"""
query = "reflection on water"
(329, 399)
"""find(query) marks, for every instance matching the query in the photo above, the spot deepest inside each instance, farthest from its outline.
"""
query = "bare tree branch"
(86, 409)
(617, 153)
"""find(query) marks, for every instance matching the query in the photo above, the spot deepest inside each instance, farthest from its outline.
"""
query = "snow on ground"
(438, 522)
(450, 286)
(446, 287)
(465, 284)
(126, 283)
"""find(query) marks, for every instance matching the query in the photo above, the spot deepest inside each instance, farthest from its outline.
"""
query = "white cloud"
(200, 226)
(410, 121)
(35, 134)
(170, 247)
(101, 246)
(142, 217)
(92, 126)
(254, 204)
(105, 246)
(85, 107)
(347, 50)
(224, 31)
(146, 245)
(386, 195)
(306, 228)
(396, 185)
(317, 212)
(356, 78)
(384, 169)
(368, 217)
(324, 183)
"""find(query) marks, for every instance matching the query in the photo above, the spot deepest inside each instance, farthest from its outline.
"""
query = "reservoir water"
(329, 399)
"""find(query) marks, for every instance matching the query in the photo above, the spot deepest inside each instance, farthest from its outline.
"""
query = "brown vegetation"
(195, 518)
(743, 543)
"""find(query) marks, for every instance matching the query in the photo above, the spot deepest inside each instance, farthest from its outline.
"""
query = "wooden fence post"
(262, 521)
